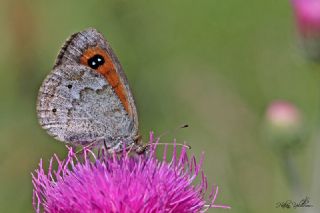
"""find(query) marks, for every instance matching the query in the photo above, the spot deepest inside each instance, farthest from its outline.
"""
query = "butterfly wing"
(77, 105)
(81, 46)
(86, 98)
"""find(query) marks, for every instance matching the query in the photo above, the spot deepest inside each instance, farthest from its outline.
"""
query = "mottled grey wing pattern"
(74, 47)
(77, 105)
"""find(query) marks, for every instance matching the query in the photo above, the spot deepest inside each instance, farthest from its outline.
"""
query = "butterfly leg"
(105, 145)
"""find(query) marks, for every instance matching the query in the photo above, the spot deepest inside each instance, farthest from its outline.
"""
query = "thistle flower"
(123, 183)
(284, 124)
(286, 135)
(307, 13)
(283, 114)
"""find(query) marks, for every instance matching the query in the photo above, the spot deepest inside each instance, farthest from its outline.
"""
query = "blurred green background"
(215, 65)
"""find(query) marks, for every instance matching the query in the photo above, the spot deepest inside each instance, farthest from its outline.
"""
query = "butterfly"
(86, 98)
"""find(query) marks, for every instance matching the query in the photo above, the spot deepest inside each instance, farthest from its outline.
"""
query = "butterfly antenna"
(173, 131)
(169, 144)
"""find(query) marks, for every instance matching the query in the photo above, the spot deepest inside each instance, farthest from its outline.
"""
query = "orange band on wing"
(109, 72)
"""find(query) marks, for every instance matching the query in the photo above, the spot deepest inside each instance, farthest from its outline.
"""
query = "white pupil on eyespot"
(93, 63)
(99, 59)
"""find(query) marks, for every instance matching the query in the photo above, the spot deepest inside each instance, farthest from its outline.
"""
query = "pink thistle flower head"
(307, 14)
(284, 122)
(282, 114)
(123, 183)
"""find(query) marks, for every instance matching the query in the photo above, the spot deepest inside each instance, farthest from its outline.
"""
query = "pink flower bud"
(282, 114)
(307, 13)
(284, 125)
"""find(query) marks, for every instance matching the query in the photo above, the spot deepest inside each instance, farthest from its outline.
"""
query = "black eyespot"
(69, 86)
(54, 110)
(96, 61)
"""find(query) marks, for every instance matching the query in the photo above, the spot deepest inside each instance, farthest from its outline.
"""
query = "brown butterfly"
(86, 98)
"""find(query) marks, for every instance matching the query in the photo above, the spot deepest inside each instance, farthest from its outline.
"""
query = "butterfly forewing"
(77, 105)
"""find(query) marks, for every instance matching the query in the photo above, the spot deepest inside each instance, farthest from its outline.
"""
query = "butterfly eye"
(95, 61)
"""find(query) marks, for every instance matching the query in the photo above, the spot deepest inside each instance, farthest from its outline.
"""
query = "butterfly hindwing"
(77, 105)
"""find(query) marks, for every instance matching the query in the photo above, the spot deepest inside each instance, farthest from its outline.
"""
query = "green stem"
(292, 174)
